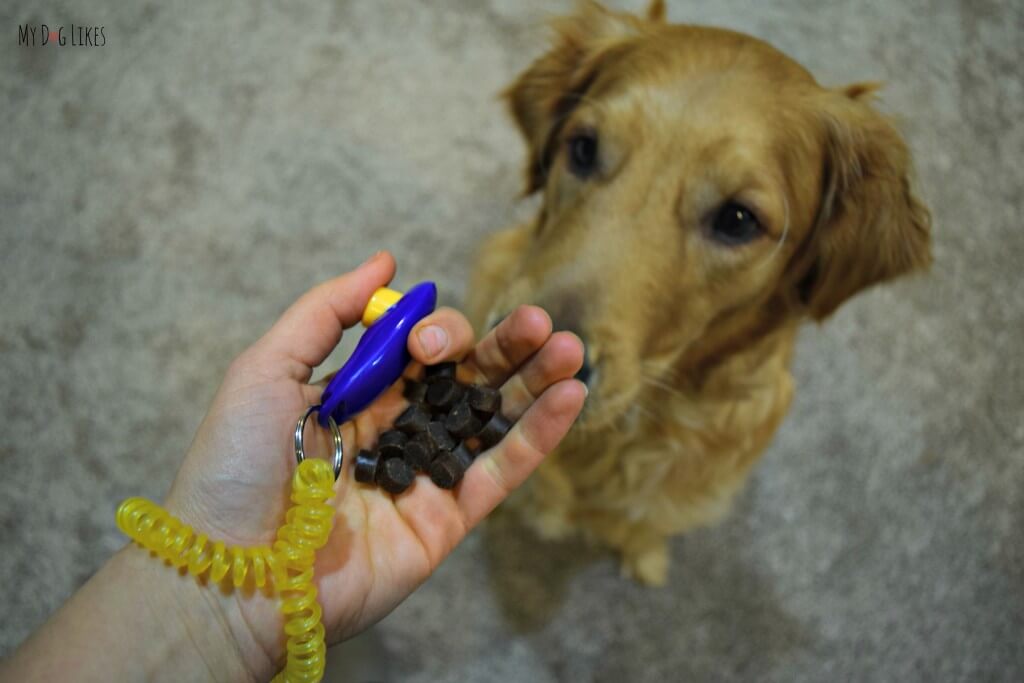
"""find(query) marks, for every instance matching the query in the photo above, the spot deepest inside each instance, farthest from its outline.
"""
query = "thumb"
(311, 327)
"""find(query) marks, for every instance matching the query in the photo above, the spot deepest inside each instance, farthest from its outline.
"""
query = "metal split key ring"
(300, 427)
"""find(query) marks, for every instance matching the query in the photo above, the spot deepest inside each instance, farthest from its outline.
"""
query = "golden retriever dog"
(702, 196)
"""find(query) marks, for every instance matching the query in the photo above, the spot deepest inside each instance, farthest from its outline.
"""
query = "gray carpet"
(164, 197)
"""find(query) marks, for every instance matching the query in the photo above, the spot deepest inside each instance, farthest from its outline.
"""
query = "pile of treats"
(446, 425)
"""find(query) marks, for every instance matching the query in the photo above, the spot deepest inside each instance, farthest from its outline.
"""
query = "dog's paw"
(550, 525)
(649, 566)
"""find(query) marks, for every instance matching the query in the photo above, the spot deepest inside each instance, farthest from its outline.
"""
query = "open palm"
(235, 480)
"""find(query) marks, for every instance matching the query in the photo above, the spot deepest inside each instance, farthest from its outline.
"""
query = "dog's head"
(699, 189)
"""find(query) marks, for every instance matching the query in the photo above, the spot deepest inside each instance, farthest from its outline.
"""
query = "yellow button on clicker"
(380, 302)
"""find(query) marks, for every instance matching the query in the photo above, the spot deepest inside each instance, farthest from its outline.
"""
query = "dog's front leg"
(545, 502)
(644, 555)
(642, 548)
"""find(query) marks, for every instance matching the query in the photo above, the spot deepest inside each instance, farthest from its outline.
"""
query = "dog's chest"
(696, 451)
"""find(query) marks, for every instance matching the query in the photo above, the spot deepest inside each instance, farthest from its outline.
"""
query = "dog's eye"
(583, 153)
(735, 224)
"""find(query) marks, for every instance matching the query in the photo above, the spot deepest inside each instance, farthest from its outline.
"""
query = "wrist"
(198, 626)
(250, 614)
(140, 619)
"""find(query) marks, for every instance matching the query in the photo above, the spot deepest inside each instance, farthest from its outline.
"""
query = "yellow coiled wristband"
(288, 563)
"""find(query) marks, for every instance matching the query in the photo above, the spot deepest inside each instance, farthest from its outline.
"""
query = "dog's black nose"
(585, 371)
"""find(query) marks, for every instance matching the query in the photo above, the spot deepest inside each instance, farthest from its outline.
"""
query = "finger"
(310, 329)
(560, 358)
(443, 335)
(508, 345)
(501, 470)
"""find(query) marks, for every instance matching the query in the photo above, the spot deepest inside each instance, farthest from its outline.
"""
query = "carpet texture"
(165, 196)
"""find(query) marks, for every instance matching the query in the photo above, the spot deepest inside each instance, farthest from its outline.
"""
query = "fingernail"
(433, 339)
(374, 256)
(586, 390)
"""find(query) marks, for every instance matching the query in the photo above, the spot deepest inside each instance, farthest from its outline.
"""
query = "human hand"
(234, 482)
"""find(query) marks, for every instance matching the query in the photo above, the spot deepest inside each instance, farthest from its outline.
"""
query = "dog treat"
(395, 476)
(440, 371)
(437, 434)
(366, 466)
(461, 422)
(424, 439)
(413, 420)
(439, 438)
(392, 436)
(415, 392)
(494, 431)
(484, 400)
(391, 444)
(448, 469)
(443, 393)
(464, 455)
(418, 454)
(444, 472)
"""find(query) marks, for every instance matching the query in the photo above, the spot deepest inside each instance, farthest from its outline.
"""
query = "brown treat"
(366, 466)
(424, 439)
(418, 454)
(440, 371)
(392, 436)
(413, 420)
(448, 468)
(484, 400)
(395, 476)
(495, 429)
(461, 422)
(464, 455)
(443, 393)
(438, 438)
(415, 392)
(445, 472)
(391, 444)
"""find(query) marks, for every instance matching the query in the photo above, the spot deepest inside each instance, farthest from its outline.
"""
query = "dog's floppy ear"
(545, 93)
(656, 11)
(870, 227)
